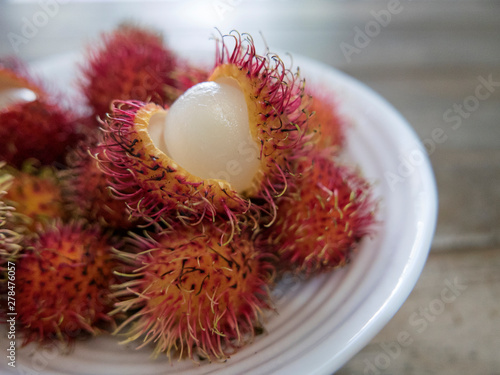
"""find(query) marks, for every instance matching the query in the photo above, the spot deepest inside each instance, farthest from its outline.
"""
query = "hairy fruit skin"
(36, 196)
(37, 129)
(37, 126)
(62, 282)
(326, 122)
(151, 183)
(86, 190)
(131, 63)
(192, 295)
(322, 219)
(277, 107)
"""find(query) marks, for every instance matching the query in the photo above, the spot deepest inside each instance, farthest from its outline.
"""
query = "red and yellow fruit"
(62, 283)
(191, 296)
(223, 149)
(242, 153)
(129, 63)
(32, 124)
(326, 122)
(152, 184)
(87, 192)
(322, 219)
(36, 196)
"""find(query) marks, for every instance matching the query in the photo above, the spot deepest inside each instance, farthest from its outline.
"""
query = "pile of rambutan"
(168, 212)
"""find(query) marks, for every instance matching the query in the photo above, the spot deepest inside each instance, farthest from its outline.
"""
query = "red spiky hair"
(36, 196)
(326, 120)
(40, 128)
(131, 62)
(62, 283)
(151, 183)
(277, 108)
(323, 218)
(193, 296)
(86, 189)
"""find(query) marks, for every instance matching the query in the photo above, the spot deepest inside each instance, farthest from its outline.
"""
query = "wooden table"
(438, 63)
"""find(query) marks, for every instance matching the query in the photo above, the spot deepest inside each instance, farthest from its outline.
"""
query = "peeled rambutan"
(32, 124)
(224, 148)
(152, 184)
(322, 218)
(131, 62)
(36, 196)
(272, 106)
(192, 296)
(62, 282)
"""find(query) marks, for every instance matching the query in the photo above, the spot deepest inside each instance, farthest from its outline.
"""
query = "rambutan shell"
(128, 63)
(323, 218)
(39, 128)
(86, 189)
(277, 109)
(36, 130)
(62, 282)
(151, 183)
(36, 197)
(192, 295)
(326, 123)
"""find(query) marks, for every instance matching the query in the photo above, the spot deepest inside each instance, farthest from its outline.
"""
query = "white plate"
(323, 322)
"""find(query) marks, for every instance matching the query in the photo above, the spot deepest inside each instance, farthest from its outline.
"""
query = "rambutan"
(276, 107)
(326, 122)
(130, 62)
(322, 218)
(224, 148)
(152, 184)
(36, 196)
(193, 296)
(86, 190)
(35, 129)
(62, 281)
(32, 125)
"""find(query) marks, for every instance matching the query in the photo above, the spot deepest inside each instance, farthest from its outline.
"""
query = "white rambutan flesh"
(207, 132)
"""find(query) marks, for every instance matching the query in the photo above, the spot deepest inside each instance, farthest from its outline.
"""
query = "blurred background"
(437, 62)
